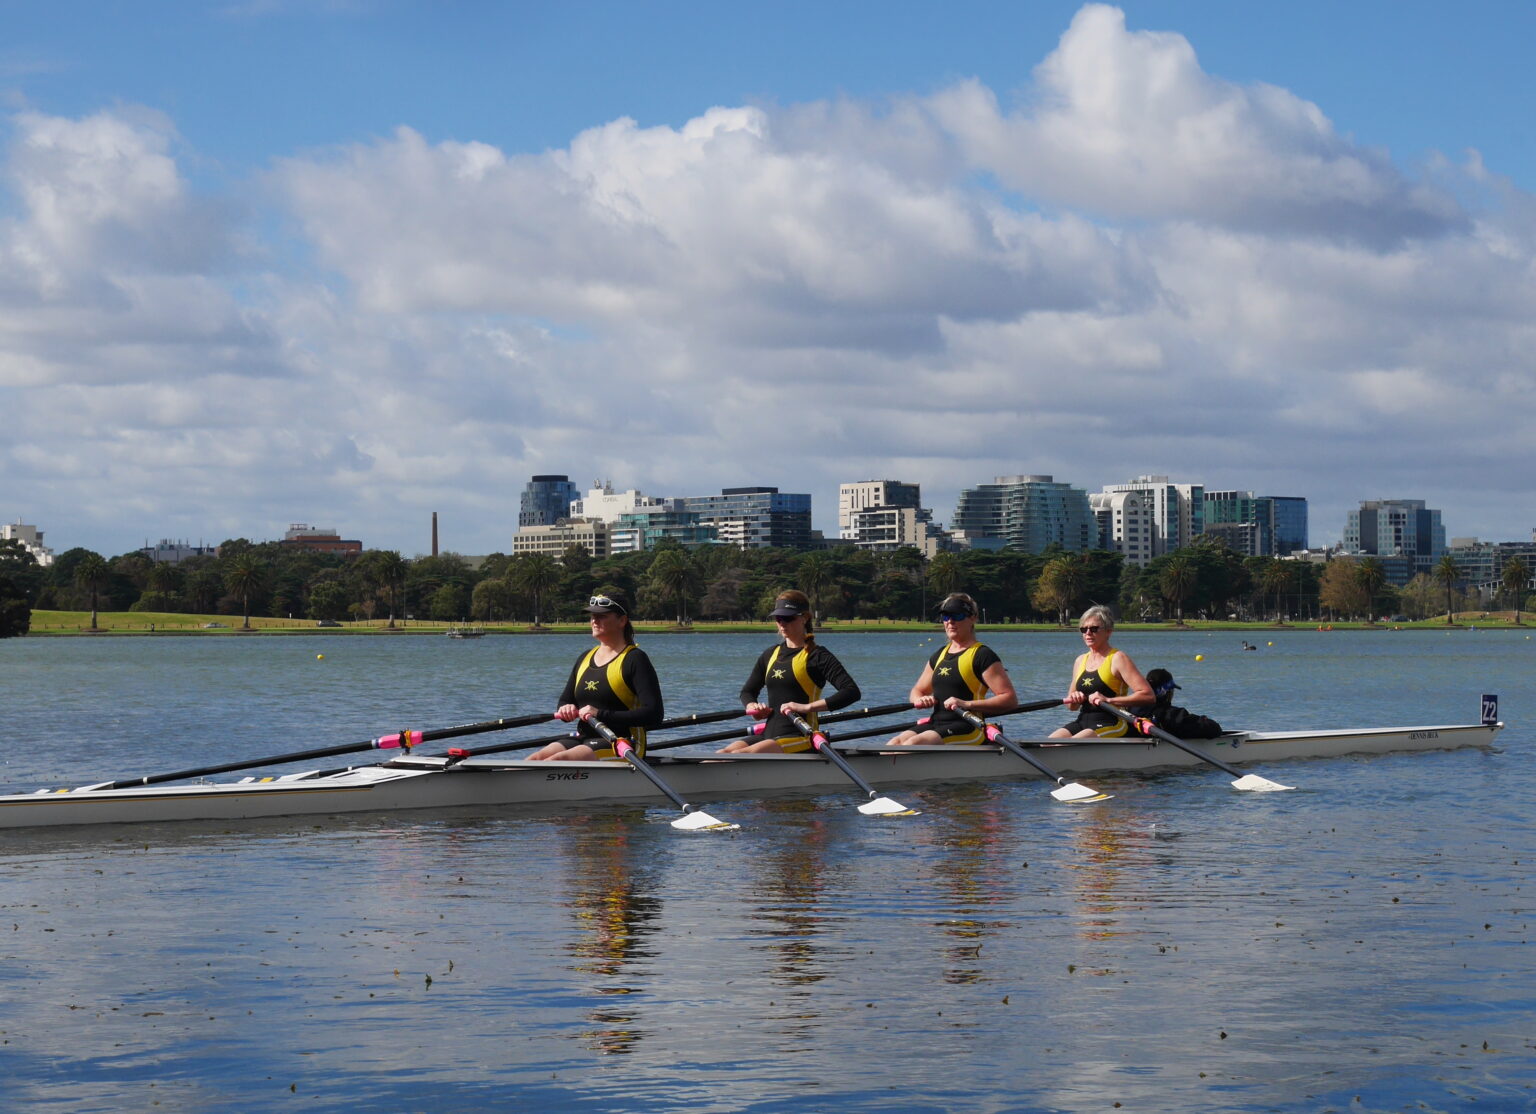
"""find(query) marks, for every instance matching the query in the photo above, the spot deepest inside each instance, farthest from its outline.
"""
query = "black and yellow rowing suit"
(959, 674)
(1104, 681)
(797, 675)
(625, 691)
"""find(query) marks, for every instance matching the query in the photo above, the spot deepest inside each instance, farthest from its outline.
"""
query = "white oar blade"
(884, 806)
(1253, 783)
(702, 822)
(1076, 793)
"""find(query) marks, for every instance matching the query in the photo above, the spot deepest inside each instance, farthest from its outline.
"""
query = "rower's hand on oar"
(758, 711)
(925, 701)
(794, 708)
(569, 713)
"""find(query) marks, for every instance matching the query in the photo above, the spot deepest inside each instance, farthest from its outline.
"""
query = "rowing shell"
(432, 782)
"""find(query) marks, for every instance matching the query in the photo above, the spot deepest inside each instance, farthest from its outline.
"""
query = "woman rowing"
(1102, 676)
(794, 670)
(613, 683)
(962, 676)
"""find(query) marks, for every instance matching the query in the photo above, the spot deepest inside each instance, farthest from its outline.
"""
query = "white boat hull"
(425, 782)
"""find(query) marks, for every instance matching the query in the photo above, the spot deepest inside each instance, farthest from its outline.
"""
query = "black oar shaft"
(825, 748)
(385, 742)
(1157, 732)
(626, 751)
(996, 735)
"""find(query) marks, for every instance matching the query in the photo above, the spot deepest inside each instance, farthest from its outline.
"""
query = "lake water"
(1362, 944)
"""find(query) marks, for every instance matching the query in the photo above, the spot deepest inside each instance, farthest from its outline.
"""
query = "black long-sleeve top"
(589, 684)
(820, 665)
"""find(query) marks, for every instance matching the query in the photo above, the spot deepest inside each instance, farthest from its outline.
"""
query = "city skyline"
(1286, 251)
(1339, 539)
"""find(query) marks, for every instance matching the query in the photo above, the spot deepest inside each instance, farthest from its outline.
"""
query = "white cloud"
(1129, 125)
(1142, 268)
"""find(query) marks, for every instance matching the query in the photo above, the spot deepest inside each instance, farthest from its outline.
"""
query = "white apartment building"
(1178, 510)
(1125, 523)
(31, 539)
(603, 504)
(883, 529)
(855, 497)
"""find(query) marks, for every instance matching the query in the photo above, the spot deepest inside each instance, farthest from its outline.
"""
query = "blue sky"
(350, 263)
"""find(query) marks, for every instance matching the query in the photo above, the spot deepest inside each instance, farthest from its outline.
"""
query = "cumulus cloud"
(1129, 125)
(1141, 267)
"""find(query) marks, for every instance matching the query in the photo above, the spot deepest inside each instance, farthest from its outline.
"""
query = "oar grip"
(620, 746)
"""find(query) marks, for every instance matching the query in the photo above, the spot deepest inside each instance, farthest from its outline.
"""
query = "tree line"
(723, 583)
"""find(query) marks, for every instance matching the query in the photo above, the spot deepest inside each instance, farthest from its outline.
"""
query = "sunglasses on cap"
(607, 604)
(953, 616)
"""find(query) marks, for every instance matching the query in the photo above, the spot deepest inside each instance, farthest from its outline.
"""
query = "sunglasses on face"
(952, 616)
(787, 618)
(1089, 630)
(604, 601)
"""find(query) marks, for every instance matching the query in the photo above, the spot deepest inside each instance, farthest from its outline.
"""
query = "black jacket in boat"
(1183, 723)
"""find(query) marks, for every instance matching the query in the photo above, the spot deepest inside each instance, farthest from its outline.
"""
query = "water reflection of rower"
(978, 832)
(612, 899)
(788, 889)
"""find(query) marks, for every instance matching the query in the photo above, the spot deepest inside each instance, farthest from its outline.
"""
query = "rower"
(794, 671)
(614, 683)
(962, 676)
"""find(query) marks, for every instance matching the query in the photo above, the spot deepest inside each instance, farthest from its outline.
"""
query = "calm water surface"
(1362, 944)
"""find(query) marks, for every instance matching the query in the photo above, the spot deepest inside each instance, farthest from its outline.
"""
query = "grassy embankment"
(149, 622)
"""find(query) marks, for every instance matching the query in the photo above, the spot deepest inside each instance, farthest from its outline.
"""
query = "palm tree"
(1516, 579)
(1178, 581)
(815, 577)
(535, 574)
(1276, 578)
(91, 574)
(243, 576)
(672, 574)
(1447, 574)
(1371, 574)
(387, 571)
(943, 574)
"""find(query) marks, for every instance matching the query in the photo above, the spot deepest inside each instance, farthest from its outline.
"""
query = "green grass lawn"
(159, 622)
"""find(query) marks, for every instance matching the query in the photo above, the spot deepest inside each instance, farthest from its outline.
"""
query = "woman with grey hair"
(1102, 675)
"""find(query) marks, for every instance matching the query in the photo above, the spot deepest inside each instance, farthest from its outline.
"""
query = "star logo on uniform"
(778, 674)
(944, 671)
(591, 686)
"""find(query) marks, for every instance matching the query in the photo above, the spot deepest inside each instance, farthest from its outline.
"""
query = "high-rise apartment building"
(1028, 513)
(755, 517)
(644, 529)
(855, 497)
(546, 500)
(1178, 510)
(1290, 524)
(1125, 523)
(1257, 525)
(1397, 528)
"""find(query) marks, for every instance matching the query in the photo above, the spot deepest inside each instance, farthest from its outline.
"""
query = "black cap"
(605, 605)
(957, 603)
(1161, 681)
(786, 609)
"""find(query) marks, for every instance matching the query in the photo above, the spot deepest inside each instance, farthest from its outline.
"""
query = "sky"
(352, 262)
